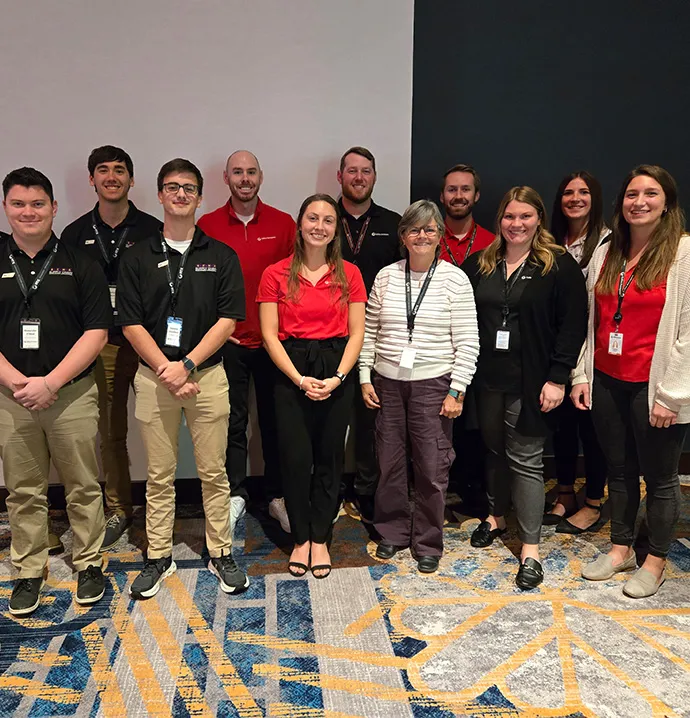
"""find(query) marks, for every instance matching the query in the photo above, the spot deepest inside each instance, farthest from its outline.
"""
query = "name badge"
(113, 292)
(502, 340)
(615, 343)
(407, 357)
(173, 333)
(30, 334)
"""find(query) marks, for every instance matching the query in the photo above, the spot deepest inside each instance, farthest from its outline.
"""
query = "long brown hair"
(595, 221)
(334, 256)
(660, 253)
(544, 247)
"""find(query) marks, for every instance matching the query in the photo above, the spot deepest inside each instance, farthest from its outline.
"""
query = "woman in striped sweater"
(422, 343)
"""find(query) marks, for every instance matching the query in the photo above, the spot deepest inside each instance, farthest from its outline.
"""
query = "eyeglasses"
(416, 231)
(174, 187)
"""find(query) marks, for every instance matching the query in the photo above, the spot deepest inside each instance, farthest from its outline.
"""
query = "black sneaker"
(115, 526)
(232, 578)
(25, 596)
(148, 582)
(90, 585)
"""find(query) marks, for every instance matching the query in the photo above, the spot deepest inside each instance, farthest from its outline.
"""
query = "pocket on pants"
(445, 452)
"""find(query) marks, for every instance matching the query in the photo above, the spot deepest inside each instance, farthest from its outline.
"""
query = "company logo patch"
(380, 234)
(262, 239)
(205, 268)
(129, 244)
(61, 271)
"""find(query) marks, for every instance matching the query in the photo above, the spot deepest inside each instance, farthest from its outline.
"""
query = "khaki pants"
(115, 370)
(66, 433)
(159, 415)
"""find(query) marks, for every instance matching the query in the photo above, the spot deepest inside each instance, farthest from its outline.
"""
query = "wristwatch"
(341, 376)
(455, 393)
(188, 364)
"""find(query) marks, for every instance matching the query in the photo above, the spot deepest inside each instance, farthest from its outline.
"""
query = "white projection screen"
(294, 81)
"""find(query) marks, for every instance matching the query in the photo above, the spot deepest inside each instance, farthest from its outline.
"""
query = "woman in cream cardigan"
(634, 370)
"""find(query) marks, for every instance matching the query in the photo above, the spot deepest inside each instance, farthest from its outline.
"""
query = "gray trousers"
(514, 463)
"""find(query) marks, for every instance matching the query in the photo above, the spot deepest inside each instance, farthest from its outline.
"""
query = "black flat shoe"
(484, 535)
(428, 564)
(387, 550)
(565, 527)
(551, 519)
(529, 575)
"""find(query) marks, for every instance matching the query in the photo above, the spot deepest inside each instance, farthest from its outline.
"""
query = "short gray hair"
(419, 213)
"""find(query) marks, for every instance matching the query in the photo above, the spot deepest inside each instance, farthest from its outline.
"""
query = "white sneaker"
(277, 510)
(238, 508)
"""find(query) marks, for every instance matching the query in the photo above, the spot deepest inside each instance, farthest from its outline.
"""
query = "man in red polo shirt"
(261, 235)
(463, 235)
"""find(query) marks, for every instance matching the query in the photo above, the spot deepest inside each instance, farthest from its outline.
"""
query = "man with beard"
(105, 232)
(369, 240)
(463, 235)
(260, 235)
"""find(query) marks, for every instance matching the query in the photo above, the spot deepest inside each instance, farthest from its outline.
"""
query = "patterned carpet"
(375, 640)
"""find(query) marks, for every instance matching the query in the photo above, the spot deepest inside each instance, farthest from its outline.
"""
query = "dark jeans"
(632, 446)
(311, 439)
(409, 416)
(514, 463)
(241, 364)
(575, 426)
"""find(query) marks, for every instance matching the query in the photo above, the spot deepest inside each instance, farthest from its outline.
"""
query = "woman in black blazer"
(532, 313)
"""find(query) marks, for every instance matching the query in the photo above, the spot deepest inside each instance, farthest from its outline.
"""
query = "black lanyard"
(174, 284)
(118, 246)
(467, 252)
(622, 289)
(355, 247)
(412, 311)
(29, 292)
(508, 285)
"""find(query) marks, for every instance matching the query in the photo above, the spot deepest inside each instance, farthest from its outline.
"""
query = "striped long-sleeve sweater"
(445, 337)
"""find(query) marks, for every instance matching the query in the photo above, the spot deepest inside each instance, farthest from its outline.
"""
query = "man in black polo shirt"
(370, 240)
(104, 233)
(179, 296)
(54, 320)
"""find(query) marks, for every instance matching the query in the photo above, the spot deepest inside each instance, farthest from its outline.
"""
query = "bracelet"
(301, 381)
(341, 376)
(45, 381)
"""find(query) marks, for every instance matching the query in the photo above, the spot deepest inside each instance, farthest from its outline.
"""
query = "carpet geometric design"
(376, 640)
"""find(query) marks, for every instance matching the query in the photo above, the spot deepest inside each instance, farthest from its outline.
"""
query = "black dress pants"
(311, 439)
(241, 365)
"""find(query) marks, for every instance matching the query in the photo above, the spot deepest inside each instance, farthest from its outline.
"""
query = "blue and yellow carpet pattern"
(375, 640)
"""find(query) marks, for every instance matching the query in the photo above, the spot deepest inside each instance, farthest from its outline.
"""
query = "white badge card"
(407, 357)
(173, 333)
(113, 292)
(502, 340)
(615, 343)
(30, 334)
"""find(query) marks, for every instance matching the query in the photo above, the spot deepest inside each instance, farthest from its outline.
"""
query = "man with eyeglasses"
(369, 240)
(105, 232)
(261, 235)
(179, 296)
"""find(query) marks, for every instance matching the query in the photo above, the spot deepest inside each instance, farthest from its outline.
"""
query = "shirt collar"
(47, 247)
(233, 215)
(450, 236)
(373, 211)
(198, 240)
(129, 221)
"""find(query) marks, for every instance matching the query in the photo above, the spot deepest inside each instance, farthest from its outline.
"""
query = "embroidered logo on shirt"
(205, 268)
(261, 239)
(129, 244)
(380, 234)
(61, 271)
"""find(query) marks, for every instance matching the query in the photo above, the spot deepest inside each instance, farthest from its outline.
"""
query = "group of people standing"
(440, 319)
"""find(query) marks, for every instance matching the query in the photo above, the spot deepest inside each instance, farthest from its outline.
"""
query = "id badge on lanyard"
(173, 332)
(616, 338)
(30, 334)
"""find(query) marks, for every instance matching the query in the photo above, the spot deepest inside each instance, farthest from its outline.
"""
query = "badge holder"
(502, 342)
(616, 338)
(407, 357)
(173, 333)
(30, 334)
(113, 292)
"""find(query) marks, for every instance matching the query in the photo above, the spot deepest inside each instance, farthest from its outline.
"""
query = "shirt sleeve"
(358, 292)
(128, 301)
(70, 234)
(371, 329)
(464, 330)
(269, 286)
(231, 300)
(94, 297)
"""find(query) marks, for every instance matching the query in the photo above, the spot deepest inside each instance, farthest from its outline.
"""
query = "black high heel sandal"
(551, 519)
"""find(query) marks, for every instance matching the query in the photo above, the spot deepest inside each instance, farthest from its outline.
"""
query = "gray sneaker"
(25, 596)
(148, 582)
(90, 585)
(115, 526)
(232, 578)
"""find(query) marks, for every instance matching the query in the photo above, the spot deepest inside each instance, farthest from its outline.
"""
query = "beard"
(459, 211)
(357, 198)
(235, 192)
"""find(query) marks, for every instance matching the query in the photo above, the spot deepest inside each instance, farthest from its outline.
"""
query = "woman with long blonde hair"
(636, 361)
(532, 312)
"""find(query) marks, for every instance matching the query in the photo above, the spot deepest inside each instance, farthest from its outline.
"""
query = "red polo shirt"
(641, 316)
(459, 247)
(318, 312)
(268, 237)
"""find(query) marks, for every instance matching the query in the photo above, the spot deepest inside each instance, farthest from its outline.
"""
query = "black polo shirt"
(72, 298)
(212, 288)
(380, 246)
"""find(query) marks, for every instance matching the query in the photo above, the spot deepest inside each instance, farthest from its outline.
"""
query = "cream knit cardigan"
(669, 377)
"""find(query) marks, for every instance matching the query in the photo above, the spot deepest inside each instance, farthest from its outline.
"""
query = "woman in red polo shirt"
(312, 321)
(634, 372)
